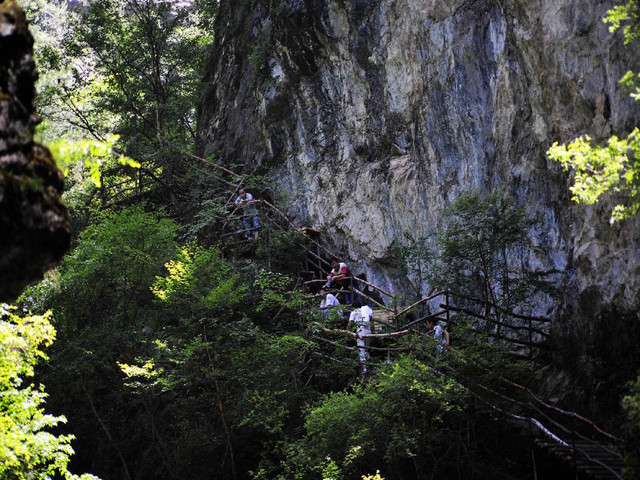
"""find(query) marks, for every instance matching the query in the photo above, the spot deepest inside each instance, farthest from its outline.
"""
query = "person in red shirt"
(342, 278)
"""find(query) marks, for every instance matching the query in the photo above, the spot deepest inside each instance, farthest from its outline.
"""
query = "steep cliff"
(472, 93)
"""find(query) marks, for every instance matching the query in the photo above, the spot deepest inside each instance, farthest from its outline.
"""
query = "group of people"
(342, 278)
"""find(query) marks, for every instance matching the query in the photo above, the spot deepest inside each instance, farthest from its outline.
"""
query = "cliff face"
(472, 93)
(34, 225)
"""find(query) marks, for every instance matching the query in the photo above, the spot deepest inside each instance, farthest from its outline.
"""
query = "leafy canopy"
(199, 282)
(114, 265)
(480, 250)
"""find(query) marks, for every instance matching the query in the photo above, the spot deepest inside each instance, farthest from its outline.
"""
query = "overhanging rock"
(34, 224)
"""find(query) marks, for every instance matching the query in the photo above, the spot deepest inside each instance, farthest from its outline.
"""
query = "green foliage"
(95, 155)
(479, 250)
(260, 55)
(128, 67)
(261, 380)
(27, 449)
(631, 82)
(199, 281)
(113, 266)
(600, 169)
(149, 56)
(405, 413)
(631, 404)
(377, 476)
(627, 14)
(50, 25)
(613, 166)
(277, 292)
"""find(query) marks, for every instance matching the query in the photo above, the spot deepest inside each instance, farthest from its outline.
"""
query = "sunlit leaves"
(27, 449)
(377, 476)
(115, 262)
(615, 165)
(199, 280)
(627, 16)
(278, 292)
(598, 169)
(407, 412)
(95, 155)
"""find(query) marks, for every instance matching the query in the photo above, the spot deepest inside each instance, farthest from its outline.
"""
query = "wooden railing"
(594, 457)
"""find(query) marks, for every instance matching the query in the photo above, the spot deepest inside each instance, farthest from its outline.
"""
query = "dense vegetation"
(178, 356)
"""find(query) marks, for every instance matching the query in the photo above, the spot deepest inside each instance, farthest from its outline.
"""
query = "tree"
(103, 300)
(478, 250)
(114, 266)
(27, 449)
(147, 56)
(614, 165)
(128, 68)
(409, 421)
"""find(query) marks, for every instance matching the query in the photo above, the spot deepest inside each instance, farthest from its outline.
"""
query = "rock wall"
(373, 115)
(34, 225)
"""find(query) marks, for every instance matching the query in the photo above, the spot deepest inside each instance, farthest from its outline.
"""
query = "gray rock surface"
(34, 224)
(373, 115)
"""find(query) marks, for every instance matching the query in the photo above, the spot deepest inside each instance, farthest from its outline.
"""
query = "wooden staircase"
(593, 458)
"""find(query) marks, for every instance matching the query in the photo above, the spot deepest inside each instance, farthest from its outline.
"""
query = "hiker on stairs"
(440, 333)
(361, 317)
(250, 212)
(341, 277)
(328, 301)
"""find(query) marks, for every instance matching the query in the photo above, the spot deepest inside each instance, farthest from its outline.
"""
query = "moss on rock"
(34, 224)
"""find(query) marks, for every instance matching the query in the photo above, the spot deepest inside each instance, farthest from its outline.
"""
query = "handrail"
(406, 329)
(486, 319)
(431, 297)
(371, 285)
(497, 307)
(375, 287)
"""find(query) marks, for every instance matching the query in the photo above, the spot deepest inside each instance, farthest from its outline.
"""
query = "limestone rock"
(377, 114)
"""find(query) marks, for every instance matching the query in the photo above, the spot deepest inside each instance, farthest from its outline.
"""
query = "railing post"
(446, 302)
(351, 289)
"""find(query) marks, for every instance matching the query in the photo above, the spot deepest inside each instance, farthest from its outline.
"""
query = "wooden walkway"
(592, 460)
(554, 430)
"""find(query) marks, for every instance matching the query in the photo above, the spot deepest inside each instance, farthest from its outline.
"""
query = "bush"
(402, 421)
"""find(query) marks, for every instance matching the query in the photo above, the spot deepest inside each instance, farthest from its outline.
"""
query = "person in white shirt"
(440, 333)
(362, 319)
(327, 302)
